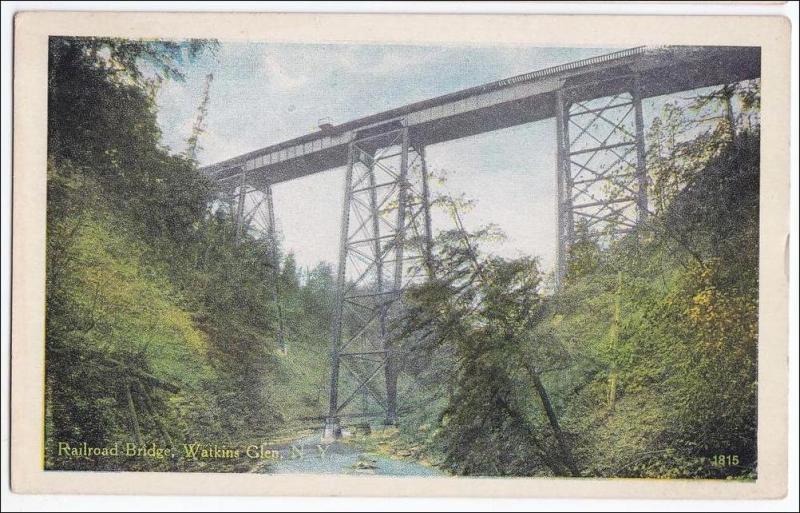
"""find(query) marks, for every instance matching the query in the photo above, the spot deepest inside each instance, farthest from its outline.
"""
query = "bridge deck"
(513, 101)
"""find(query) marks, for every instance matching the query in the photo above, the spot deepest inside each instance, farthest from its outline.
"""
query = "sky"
(263, 94)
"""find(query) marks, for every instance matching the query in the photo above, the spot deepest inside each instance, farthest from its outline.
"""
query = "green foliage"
(102, 124)
(482, 311)
(683, 361)
(584, 254)
(643, 365)
(158, 324)
(647, 356)
(116, 315)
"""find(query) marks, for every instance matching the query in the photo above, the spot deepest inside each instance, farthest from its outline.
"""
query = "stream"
(309, 455)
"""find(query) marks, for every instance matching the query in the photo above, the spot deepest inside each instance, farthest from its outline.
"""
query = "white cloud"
(382, 60)
(284, 75)
(394, 60)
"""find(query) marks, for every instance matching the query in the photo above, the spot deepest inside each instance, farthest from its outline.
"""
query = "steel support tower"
(248, 201)
(601, 171)
(384, 246)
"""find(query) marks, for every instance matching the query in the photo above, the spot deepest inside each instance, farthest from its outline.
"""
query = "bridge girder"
(513, 101)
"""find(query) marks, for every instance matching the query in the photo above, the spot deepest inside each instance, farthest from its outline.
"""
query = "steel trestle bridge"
(386, 226)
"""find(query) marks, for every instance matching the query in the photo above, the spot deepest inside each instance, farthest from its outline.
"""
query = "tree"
(486, 309)
(199, 127)
(584, 252)
(126, 223)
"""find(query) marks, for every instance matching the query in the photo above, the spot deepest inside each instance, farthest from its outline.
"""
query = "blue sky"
(266, 93)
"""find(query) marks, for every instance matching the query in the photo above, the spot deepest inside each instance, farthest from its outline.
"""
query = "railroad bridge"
(600, 173)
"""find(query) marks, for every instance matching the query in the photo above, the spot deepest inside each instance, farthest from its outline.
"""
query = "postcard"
(415, 255)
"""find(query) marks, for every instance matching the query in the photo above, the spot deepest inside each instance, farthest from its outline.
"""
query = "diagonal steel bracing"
(250, 205)
(385, 207)
(600, 166)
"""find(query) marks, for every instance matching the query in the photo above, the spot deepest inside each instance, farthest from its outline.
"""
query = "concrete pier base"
(332, 430)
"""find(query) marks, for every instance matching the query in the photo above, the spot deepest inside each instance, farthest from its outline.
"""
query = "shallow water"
(309, 455)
